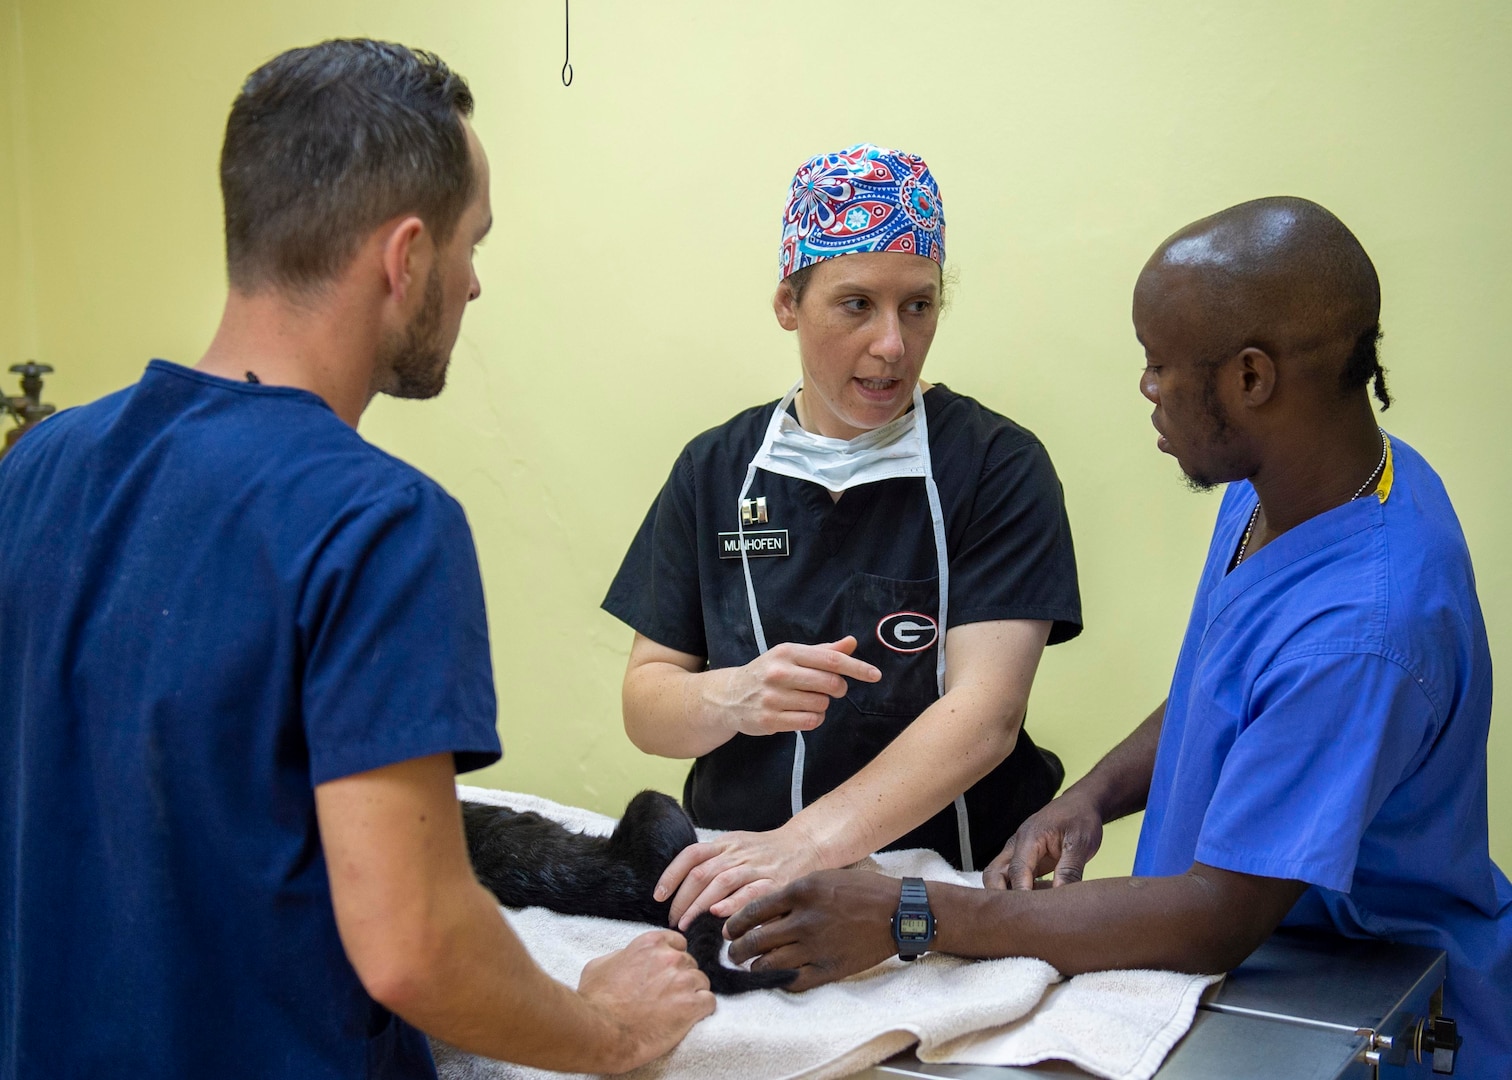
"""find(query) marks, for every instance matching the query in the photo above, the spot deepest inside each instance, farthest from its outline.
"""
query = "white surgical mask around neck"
(895, 449)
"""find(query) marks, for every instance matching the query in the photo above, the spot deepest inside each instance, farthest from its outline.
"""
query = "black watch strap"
(913, 925)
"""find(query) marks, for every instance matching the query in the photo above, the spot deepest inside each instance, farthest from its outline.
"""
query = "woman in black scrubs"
(840, 599)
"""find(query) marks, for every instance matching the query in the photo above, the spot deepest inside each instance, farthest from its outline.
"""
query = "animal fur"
(527, 860)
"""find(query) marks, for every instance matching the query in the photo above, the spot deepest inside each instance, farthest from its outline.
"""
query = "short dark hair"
(1364, 366)
(325, 143)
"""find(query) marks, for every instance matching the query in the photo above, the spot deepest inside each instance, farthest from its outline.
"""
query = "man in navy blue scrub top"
(1321, 758)
(245, 654)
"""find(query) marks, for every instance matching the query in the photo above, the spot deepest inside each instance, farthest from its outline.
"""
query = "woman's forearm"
(953, 744)
(672, 712)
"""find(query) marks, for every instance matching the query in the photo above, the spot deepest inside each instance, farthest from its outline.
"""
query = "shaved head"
(1279, 274)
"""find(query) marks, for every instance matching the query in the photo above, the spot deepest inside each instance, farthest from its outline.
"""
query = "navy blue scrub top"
(213, 597)
(866, 566)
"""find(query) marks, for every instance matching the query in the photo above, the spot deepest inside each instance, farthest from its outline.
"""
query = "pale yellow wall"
(626, 285)
(15, 278)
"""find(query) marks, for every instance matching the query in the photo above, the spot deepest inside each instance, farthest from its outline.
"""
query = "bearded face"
(415, 361)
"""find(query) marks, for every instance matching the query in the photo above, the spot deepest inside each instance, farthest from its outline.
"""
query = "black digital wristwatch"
(913, 926)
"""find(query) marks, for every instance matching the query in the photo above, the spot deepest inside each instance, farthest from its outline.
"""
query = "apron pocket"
(895, 622)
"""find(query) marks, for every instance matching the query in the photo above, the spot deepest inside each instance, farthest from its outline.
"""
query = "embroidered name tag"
(765, 544)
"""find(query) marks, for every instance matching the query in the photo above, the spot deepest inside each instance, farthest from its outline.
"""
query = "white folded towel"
(1116, 1024)
(1112, 1023)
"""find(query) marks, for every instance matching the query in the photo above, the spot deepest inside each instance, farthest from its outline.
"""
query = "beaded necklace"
(1255, 513)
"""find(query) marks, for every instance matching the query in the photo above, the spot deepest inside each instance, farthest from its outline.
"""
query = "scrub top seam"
(387, 498)
(1382, 652)
(263, 390)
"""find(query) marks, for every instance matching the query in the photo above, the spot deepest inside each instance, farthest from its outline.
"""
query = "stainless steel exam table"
(1302, 1007)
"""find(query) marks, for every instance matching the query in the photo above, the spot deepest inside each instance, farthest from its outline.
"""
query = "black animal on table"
(527, 860)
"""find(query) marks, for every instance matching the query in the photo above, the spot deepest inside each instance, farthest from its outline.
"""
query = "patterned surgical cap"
(866, 198)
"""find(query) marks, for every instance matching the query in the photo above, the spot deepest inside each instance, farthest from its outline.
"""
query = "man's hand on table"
(826, 926)
(650, 993)
(1062, 836)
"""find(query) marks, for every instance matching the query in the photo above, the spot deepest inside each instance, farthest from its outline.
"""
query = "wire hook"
(567, 58)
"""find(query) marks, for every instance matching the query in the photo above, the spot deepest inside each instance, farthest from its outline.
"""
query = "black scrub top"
(864, 565)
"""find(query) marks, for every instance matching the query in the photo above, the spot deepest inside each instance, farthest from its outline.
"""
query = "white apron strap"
(942, 560)
(795, 787)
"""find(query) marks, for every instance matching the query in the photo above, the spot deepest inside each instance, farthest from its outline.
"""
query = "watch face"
(913, 926)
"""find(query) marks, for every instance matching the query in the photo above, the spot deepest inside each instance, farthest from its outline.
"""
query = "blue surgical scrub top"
(1327, 723)
(213, 597)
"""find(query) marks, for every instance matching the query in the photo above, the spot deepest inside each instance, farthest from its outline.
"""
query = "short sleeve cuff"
(469, 753)
(670, 637)
(1065, 624)
(1326, 874)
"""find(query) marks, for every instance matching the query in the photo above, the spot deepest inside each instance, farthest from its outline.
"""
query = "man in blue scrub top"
(1321, 758)
(245, 654)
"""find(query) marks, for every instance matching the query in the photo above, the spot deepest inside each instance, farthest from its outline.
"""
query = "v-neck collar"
(836, 517)
(1298, 542)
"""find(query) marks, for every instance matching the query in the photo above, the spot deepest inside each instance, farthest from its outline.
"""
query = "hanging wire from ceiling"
(567, 61)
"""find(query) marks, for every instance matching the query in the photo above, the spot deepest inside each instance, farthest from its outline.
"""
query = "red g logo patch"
(907, 631)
